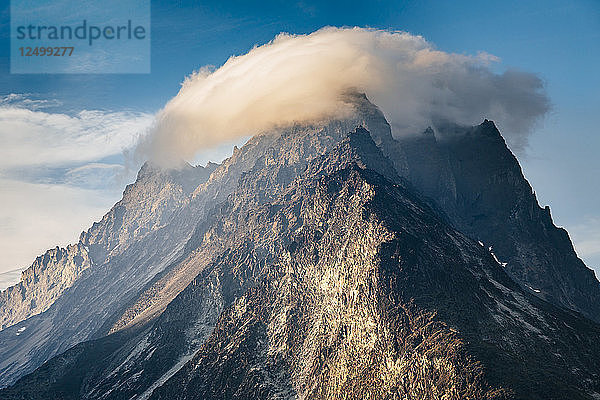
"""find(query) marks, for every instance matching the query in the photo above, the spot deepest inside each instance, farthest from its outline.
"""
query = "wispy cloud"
(28, 100)
(31, 137)
(8, 278)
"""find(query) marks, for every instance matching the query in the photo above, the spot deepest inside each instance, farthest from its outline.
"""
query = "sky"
(62, 136)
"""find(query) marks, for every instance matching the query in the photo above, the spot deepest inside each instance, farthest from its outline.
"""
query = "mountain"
(67, 293)
(140, 260)
(146, 205)
(472, 175)
(318, 263)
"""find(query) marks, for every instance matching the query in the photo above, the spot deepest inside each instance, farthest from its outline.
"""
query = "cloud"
(300, 78)
(9, 278)
(94, 175)
(30, 137)
(27, 100)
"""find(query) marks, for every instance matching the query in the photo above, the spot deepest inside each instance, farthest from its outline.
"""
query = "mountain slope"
(146, 205)
(344, 284)
(139, 252)
(470, 173)
(115, 269)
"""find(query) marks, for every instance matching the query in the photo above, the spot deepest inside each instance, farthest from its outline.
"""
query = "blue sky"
(557, 40)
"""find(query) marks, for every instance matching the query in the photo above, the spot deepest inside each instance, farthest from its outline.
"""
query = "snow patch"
(502, 264)
(534, 290)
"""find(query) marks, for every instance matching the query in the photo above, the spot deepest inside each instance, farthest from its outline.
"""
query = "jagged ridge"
(345, 283)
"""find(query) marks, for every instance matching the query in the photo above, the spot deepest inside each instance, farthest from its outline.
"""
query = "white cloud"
(96, 175)
(31, 137)
(298, 78)
(27, 100)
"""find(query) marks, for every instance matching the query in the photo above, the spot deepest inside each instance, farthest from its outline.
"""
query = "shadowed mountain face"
(310, 265)
(475, 179)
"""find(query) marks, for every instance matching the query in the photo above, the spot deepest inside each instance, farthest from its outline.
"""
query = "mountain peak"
(429, 133)
(489, 128)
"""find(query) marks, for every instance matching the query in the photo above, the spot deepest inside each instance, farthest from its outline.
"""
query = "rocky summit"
(325, 261)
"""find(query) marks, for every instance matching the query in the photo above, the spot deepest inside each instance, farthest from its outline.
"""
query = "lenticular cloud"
(302, 78)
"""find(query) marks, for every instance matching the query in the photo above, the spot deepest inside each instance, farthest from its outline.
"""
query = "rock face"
(42, 283)
(317, 263)
(474, 178)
